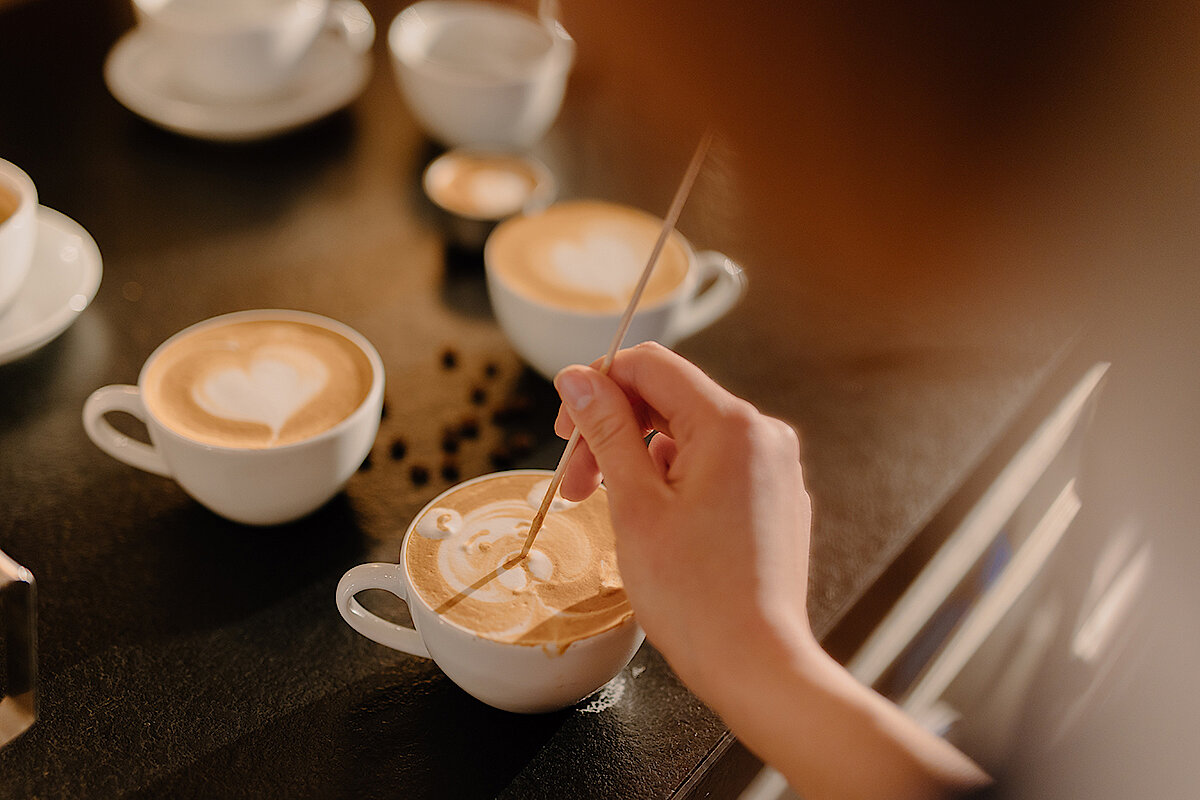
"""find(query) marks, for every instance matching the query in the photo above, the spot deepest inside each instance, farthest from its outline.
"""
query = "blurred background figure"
(1009, 161)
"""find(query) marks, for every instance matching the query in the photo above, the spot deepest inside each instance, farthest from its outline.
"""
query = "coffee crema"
(256, 383)
(486, 186)
(585, 255)
(460, 558)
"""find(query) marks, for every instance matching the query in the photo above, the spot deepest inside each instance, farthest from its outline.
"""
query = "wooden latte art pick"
(681, 195)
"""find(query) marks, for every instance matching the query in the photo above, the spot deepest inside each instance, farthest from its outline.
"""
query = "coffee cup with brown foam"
(261, 416)
(560, 279)
(18, 230)
(529, 634)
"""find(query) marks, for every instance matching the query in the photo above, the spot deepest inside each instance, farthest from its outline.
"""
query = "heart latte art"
(256, 384)
(586, 255)
(461, 554)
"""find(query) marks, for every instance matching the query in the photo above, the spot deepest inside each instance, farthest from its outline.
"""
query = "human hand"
(712, 525)
(712, 519)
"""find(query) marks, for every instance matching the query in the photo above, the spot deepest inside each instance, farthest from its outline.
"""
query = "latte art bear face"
(257, 384)
(461, 556)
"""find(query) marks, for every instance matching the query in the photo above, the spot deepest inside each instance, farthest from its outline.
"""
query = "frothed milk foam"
(484, 186)
(460, 558)
(256, 384)
(585, 256)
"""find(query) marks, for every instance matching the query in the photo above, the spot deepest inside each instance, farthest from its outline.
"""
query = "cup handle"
(351, 20)
(390, 578)
(121, 397)
(18, 708)
(713, 302)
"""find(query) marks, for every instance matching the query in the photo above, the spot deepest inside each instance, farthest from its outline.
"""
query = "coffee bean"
(478, 396)
(449, 359)
(450, 472)
(449, 443)
(419, 475)
(398, 449)
(468, 428)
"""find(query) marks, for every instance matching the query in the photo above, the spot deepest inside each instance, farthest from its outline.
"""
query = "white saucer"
(334, 72)
(62, 281)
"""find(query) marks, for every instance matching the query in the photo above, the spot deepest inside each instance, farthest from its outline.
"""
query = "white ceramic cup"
(18, 233)
(513, 677)
(242, 50)
(480, 75)
(549, 337)
(255, 486)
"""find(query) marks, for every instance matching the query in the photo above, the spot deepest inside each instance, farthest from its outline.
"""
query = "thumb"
(605, 419)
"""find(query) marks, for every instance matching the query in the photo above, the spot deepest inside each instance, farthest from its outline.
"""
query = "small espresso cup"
(478, 74)
(474, 190)
(244, 50)
(261, 416)
(559, 281)
(515, 669)
(18, 230)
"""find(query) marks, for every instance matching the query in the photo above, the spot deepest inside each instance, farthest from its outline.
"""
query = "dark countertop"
(183, 655)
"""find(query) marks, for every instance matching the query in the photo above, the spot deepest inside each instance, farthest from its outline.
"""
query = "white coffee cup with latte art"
(529, 636)
(560, 279)
(261, 416)
(18, 230)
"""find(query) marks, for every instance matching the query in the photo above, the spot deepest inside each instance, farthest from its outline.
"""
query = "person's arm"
(712, 523)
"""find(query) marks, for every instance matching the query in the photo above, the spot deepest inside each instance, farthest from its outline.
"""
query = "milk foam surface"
(586, 255)
(481, 185)
(279, 381)
(460, 557)
(260, 383)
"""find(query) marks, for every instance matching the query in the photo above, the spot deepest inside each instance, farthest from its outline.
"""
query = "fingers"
(606, 420)
(669, 393)
(648, 387)
(662, 452)
(582, 476)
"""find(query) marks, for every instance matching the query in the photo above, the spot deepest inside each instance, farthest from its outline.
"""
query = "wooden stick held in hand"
(681, 195)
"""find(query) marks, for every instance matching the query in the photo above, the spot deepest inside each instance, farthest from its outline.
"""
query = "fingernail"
(574, 388)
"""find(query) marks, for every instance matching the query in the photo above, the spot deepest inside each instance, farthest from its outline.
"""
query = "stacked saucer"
(144, 71)
(63, 278)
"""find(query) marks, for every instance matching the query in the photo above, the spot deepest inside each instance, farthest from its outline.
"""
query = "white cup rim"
(670, 298)
(321, 321)
(414, 595)
(557, 37)
(18, 181)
